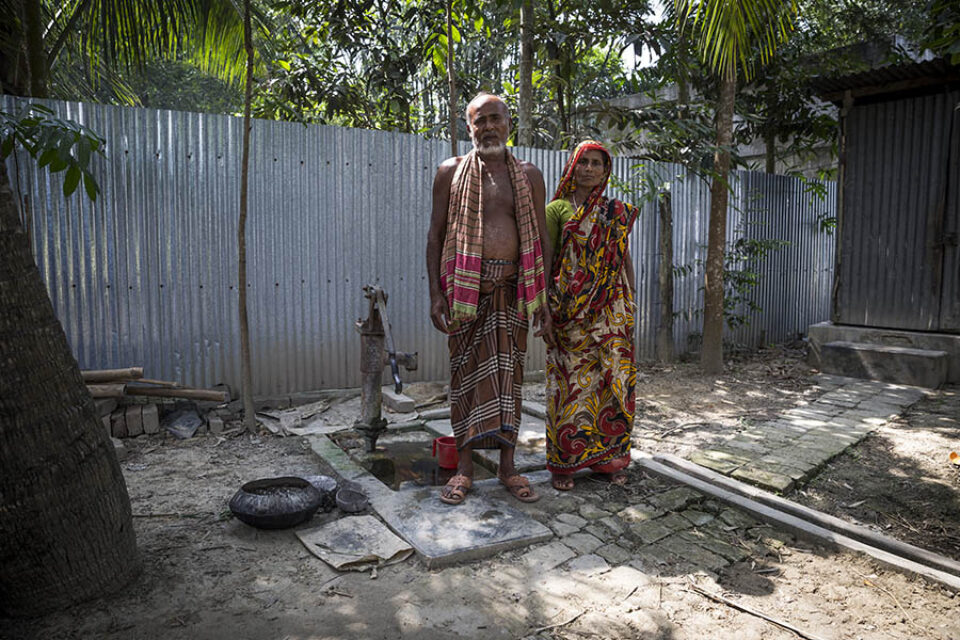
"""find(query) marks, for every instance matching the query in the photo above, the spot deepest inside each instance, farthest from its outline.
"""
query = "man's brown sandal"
(519, 488)
(455, 491)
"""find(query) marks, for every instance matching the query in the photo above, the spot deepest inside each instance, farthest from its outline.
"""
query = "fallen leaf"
(955, 457)
(853, 505)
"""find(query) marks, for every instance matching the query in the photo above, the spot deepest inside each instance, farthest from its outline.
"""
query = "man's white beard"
(490, 150)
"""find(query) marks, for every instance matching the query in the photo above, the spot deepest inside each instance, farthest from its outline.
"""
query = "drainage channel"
(803, 521)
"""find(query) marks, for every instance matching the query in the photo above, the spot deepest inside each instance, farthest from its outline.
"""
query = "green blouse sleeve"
(558, 213)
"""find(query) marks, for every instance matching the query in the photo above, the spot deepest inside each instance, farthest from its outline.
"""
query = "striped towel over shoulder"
(463, 245)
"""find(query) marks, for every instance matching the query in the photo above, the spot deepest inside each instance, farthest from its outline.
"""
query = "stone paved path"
(777, 454)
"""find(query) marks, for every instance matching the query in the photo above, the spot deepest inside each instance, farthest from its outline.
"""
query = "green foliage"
(741, 276)
(731, 32)
(943, 32)
(59, 145)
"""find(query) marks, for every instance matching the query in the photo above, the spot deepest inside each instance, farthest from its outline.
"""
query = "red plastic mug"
(445, 451)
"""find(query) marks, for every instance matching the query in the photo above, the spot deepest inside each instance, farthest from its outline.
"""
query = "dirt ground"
(206, 575)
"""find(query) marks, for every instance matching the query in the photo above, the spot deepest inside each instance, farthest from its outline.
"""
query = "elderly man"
(487, 262)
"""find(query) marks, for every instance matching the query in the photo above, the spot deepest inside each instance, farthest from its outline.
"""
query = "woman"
(590, 371)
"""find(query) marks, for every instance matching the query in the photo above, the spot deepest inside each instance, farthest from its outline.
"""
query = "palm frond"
(731, 31)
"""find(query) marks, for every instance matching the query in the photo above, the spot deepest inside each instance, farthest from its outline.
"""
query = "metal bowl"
(276, 503)
(351, 500)
(327, 487)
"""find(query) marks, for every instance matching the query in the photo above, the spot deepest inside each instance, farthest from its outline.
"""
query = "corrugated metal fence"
(147, 274)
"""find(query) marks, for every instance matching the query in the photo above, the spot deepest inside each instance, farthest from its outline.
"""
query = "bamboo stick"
(160, 383)
(168, 392)
(111, 375)
(106, 390)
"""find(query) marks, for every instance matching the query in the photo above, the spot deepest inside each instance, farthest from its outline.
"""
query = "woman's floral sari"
(591, 373)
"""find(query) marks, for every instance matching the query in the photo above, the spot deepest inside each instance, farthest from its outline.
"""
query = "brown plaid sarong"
(486, 364)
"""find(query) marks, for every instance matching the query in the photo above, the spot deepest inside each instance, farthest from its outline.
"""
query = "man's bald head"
(488, 121)
(483, 98)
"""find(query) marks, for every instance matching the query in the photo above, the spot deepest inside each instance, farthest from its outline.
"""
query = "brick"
(715, 546)
(591, 511)
(694, 554)
(150, 417)
(650, 531)
(737, 519)
(674, 499)
(589, 565)
(614, 524)
(119, 449)
(215, 424)
(399, 402)
(697, 518)
(105, 406)
(764, 479)
(583, 543)
(133, 416)
(548, 556)
(562, 529)
(614, 554)
(572, 520)
(118, 425)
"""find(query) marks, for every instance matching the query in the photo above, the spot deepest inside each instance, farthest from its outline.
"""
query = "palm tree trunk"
(711, 355)
(66, 529)
(525, 111)
(249, 418)
(451, 80)
(36, 58)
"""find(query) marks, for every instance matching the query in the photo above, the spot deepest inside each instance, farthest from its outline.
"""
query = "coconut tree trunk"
(36, 57)
(525, 108)
(451, 80)
(66, 530)
(711, 355)
(246, 370)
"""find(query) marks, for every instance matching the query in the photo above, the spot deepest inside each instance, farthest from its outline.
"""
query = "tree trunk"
(525, 110)
(665, 326)
(66, 530)
(770, 145)
(36, 58)
(452, 80)
(711, 355)
(249, 418)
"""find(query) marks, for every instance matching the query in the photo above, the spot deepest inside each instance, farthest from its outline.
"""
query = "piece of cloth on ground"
(356, 543)
(486, 364)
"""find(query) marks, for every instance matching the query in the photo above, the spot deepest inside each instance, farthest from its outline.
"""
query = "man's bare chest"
(497, 193)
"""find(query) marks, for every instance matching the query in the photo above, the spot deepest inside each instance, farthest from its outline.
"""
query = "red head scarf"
(568, 183)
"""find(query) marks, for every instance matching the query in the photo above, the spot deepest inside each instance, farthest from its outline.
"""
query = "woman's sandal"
(561, 483)
(519, 488)
(456, 489)
(618, 478)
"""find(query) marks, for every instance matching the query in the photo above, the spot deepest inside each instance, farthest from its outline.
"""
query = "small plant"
(59, 145)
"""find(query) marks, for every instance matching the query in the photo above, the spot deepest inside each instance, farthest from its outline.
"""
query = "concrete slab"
(484, 525)
(399, 402)
(918, 367)
(535, 409)
(825, 332)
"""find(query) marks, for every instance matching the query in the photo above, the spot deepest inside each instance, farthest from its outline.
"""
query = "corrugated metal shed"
(147, 274)
(898, 260)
